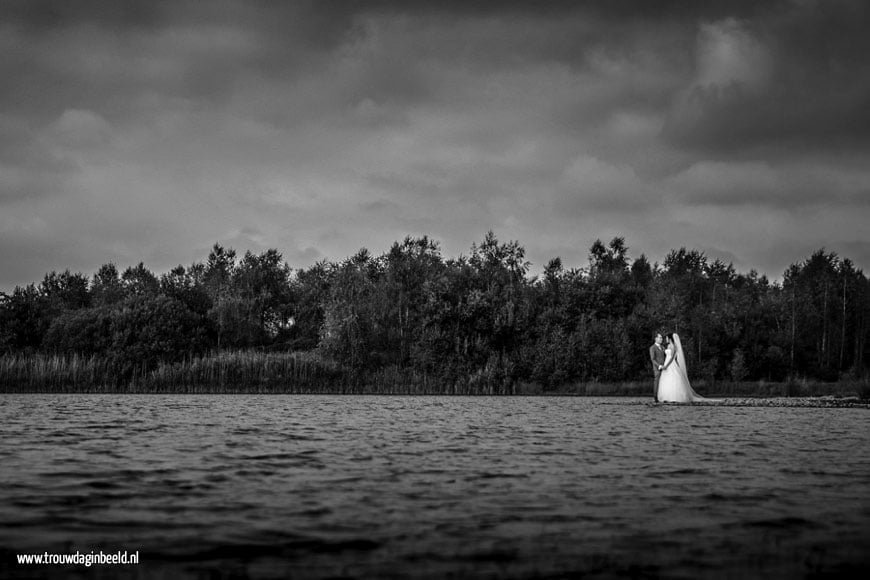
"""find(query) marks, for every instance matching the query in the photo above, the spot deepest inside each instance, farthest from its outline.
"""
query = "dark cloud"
(46, 15)
(796, 79)
(106, 56)
(856, 251)
(619, 10)
(29, 167)
(794, 186)
(149, 130)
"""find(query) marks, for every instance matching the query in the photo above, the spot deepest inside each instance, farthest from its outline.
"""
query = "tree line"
(477, 319)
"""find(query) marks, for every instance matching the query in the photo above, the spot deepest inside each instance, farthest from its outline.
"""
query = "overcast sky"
(148, 131)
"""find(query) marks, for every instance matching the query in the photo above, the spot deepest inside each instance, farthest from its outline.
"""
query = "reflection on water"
(366, 486)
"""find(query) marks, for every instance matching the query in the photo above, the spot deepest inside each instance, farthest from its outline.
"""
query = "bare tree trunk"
(824, 353)
(860, 340)
(843, 336)
(700, 331)
(859, 352)
(791, 365)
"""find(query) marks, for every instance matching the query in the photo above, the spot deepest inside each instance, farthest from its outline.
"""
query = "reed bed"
(56, 373)
(224, 372)
(251, 371)
(244, 371)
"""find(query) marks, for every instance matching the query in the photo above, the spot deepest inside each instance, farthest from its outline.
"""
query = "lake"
(238, 486)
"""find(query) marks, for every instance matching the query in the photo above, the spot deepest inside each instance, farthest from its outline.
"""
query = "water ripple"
(430, 487)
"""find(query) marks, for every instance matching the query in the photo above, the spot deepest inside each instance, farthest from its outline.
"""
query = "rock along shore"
(822, 402)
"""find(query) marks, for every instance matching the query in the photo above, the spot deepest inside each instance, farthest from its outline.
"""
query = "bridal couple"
(671, 383)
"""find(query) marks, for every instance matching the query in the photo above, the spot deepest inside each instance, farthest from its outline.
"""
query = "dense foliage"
(477, 320)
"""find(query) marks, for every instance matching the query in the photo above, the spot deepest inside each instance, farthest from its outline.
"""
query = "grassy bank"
(306, 372)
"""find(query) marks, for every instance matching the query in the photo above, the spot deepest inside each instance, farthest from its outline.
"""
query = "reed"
(243, 371)
(252, 371)
(224, 372)
(53, 373)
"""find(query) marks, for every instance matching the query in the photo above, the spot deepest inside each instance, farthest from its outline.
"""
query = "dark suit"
(657, 356)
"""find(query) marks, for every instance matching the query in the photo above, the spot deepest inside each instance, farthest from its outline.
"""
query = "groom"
(657, 357)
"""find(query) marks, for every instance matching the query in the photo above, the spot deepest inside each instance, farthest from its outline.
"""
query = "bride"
(674, 384)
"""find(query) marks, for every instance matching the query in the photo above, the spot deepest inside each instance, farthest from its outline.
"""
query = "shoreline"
(251, 372)
(824, 401)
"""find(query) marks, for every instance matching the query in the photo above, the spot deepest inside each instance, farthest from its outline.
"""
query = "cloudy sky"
(148, 131)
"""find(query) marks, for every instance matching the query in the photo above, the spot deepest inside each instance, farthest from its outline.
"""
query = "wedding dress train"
(674, 386)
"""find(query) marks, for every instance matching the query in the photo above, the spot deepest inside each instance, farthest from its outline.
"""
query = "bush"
(148, 330)
(87, 331)
(738, 368)
(138, 333)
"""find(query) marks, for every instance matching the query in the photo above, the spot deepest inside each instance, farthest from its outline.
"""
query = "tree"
(147, 330)
(139, 281)
(642, 272)
(219, 269)
(65, 291)
(410, 270)
(106, 287)
(477, 320)
(23, 319)
(87, 331)
(738, 368)
(262, 285)
(186, 287)
(347, 331)
(311, 288)
(813, 288)
(136, 334)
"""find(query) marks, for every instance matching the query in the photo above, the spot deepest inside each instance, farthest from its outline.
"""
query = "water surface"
(366, 486)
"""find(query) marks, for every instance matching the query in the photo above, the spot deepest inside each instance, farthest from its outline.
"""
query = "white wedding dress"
(674, 386)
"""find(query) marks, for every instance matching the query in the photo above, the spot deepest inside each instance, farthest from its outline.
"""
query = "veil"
(684, 373)
(681, 358)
